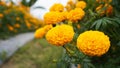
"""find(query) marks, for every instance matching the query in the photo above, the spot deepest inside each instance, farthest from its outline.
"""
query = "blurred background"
(18, 47)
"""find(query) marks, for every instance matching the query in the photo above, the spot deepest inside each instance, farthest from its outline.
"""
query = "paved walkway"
(9, 46)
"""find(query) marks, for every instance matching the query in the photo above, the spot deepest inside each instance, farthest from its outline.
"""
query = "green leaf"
(85, 65)
(86, 60)
(91, 65)
(98, 24)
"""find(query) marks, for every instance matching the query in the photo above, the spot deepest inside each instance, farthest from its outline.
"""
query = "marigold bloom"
(76, 14)
(93, 43)
(28, 24)
(10, 27)
(57, 7)
(17, 18)
(68, 7)
(1, 15)
(47, 27)
(53, 17)
(60, 35)
(64, 13)
(39, 33)
(17, 25)
(70, 2)
(81, 4)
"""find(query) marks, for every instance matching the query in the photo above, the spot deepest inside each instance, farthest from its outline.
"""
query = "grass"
(35, 54)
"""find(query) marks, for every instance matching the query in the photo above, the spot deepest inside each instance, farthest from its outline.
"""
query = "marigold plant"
(16, 19)
(88, 31)
(57, 7)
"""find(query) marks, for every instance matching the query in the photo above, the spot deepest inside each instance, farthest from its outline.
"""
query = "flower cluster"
(83, 29)
(16, 19)
(57, 15)
(91, 43)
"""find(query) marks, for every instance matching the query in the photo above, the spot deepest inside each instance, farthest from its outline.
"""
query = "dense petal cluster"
(64, 14)
(57, 7)
(60, 35)
(81, 4)
(76, 14)
(93, 43)
(39, 33)
(53, 17)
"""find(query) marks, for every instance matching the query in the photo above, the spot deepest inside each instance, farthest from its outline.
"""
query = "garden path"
(10, 45)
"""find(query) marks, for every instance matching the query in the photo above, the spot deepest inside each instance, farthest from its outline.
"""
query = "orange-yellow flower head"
(53, 17)
(1, 15)
(76, 14)
(81, 4)
(60, 35)
(64, 14)
(93, 43)
(57, 7)
(39, 33)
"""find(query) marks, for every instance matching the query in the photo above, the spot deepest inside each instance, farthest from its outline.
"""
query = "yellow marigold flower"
(76, 14)
(57, 7)
(81, 4)
(47, 27)
(17, 18)
(28, 24)
(39, 33)
(68, 7)
(70, 2)
(10, 27)
(64, 13)
(53, 17)
(60, 35)
(1, 15)
(17, 25)
(2, 3)
(93, 43)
